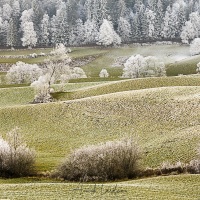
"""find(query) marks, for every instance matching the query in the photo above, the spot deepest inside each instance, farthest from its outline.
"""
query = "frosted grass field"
(162, 113)
(173, 188)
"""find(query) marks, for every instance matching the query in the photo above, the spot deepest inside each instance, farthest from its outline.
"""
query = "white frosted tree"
(138, 66)
(11, 40)
(191, 30)
(23, 73)
(59, 25)
(29, 35)
(134, 67)
(44, 30)
(195, 47)
(150, 17)
(77, 34)
(88, 9)
(103, 73)
(166, 32)
(124, 29)
(53, 69)
(90, 32)
(107, 35)
(16, 8)
(154, 67)
(6, 11)
(77, 72)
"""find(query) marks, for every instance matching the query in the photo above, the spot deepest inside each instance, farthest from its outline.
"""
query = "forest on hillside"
(86, 22)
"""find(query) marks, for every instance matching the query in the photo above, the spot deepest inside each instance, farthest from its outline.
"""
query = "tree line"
(79, 22)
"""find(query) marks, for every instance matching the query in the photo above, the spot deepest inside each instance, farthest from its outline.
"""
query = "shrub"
(16, 159)
(109, 161)
(103, 73)
(195, 47)
(23, 73)
(194, 167)
(168, 168)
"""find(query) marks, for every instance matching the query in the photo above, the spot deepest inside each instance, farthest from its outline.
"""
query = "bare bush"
(177, 168)
(109, 161)
(194, 167)
(16, 159)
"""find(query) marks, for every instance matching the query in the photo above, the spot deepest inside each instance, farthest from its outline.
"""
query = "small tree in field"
(103, 73)
(195, 47)
(16, 159)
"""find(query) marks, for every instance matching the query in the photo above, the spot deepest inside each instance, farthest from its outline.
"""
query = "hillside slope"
(165, 120)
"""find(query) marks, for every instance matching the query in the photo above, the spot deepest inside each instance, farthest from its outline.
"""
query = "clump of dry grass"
(109, 161)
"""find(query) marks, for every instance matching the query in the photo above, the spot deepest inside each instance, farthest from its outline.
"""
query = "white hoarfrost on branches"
(53, 69)
(191, 30)
(107, 35)
(195, 46)
(42, 90)
(23, 73)
(103, 73)
(56, 70)
(29, 35)
(138, 66)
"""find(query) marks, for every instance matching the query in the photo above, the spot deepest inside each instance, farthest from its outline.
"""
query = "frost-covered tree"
(59, 25)
(195, 47)
(42, 90)
(90, 32)
(154, 67)
(124, 29)
(77, 72)
(139, 66)
(6, 11)
(54, 67)
(107, 35)
(45, 30)
(103, 73)
(77, 34)
(166, 32)
(23, 73)
(134, 67)
(29, 35)
(191, 29)
(150, 17)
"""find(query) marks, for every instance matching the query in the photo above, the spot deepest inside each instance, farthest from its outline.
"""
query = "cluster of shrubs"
(109, 161)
